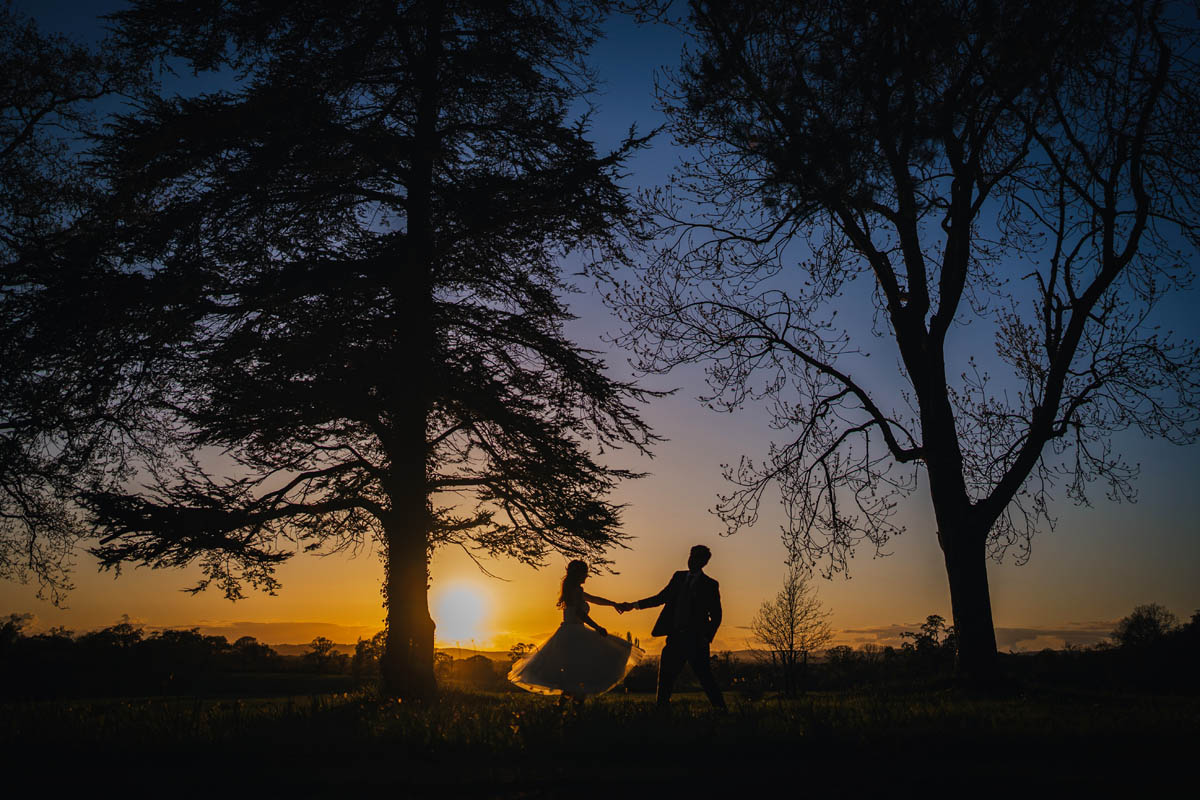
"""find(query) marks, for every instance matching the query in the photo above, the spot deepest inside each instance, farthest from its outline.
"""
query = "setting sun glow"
(459, 611)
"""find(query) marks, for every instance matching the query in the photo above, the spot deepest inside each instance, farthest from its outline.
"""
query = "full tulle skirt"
(576, 660)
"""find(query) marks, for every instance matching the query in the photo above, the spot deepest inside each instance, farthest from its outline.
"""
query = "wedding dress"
(576, 660)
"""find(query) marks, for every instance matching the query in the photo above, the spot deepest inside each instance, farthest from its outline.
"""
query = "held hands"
(623, 607)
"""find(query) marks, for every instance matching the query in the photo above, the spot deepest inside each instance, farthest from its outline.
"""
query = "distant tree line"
(124, 659)
(118, 660)
(1149, 651)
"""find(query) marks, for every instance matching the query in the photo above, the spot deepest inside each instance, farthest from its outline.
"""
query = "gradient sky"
(1093, 568)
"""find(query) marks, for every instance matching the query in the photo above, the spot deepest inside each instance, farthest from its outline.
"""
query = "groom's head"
(699, 557)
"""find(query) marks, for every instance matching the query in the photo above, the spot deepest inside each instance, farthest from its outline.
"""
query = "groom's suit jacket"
(687, 607)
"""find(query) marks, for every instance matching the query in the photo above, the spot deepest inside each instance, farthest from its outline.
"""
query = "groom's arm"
(656, 600)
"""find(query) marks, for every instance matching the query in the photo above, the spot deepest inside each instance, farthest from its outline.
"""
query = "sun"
(459, 611)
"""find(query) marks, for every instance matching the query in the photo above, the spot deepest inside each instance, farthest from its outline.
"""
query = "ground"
(937, 741)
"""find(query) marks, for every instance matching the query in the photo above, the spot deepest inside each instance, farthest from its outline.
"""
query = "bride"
(575, 661)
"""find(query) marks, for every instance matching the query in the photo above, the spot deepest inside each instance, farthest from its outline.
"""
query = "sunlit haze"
(461, 611)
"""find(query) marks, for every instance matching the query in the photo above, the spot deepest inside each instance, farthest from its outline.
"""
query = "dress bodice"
(572, 612)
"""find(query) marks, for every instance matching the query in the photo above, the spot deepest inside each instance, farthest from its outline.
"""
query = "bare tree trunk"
(961, 541)
(970, 600)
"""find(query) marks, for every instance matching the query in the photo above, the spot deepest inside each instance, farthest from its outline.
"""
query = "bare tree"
(1026, 169)
(791, 626)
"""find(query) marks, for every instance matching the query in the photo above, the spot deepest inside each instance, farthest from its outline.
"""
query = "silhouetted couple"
(575, 662)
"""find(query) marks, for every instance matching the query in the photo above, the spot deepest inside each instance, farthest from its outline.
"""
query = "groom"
(689, 619)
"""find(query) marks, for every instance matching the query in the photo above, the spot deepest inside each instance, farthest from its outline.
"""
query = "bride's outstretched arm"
(600, 601)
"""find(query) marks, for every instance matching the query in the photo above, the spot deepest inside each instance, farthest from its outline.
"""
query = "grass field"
(937, 741)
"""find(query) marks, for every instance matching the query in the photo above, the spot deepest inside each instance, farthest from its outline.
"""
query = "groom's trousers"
(682, 648)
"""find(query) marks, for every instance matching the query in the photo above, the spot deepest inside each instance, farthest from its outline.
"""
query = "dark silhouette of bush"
(1148, 625)
(249, 655)
(478, 672)
(643, 677)
(324, 658)
(364, 665)
(10, 631)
